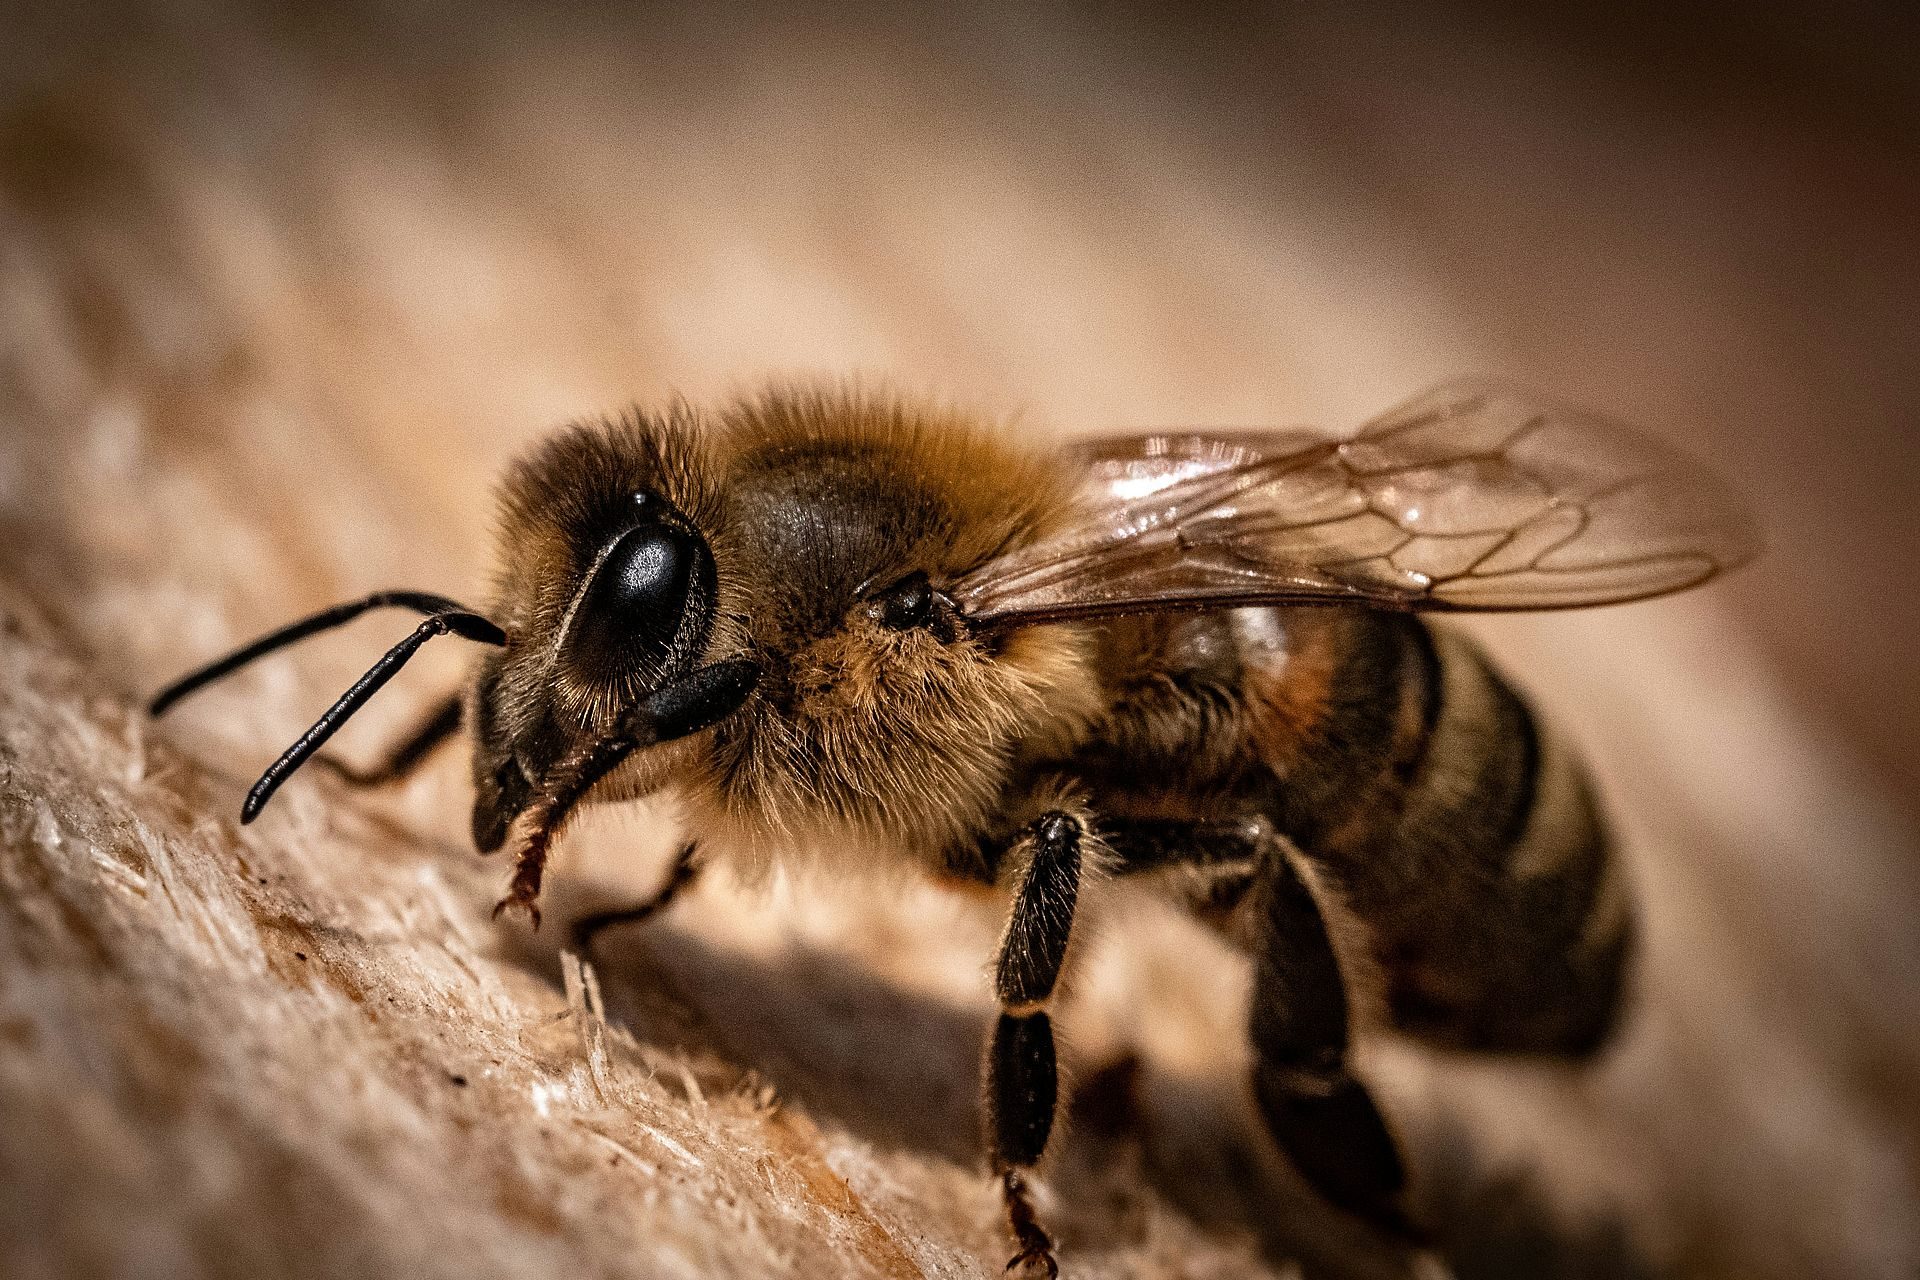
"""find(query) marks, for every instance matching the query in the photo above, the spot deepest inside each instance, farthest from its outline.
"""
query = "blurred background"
(283, 287)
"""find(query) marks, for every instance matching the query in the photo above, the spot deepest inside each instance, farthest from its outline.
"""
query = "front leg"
(687, 706)
(1021, 1083)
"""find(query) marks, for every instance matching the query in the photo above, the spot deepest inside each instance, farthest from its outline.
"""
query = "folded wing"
(1472, 496)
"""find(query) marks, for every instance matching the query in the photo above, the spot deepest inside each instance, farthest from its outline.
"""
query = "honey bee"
(842, 625)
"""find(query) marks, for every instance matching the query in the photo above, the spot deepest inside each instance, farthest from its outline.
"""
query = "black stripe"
(1524, 792)
(1353, 742)
(1432, 700)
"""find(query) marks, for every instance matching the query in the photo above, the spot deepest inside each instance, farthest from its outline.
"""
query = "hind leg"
(1320, 1115)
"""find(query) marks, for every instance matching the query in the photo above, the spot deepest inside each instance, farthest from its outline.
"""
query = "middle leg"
(685, 871)
(1022, 1086)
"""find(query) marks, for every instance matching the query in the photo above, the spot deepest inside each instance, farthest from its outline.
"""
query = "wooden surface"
(279, 294)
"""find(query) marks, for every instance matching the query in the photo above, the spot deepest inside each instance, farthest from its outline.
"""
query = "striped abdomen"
(1462, 843)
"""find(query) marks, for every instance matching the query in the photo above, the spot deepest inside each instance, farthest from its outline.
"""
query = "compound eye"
(637, 602)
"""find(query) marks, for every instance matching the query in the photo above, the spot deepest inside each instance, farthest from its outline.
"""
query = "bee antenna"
(457, 621)
(326, 620)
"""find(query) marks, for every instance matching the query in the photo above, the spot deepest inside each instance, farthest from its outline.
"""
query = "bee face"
(814, 533)
(607, 590)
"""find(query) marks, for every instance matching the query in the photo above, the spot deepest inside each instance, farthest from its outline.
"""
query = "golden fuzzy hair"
(858, 736)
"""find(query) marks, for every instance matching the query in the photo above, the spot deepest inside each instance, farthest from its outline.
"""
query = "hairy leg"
(1320, 1115)
(1022, 1085)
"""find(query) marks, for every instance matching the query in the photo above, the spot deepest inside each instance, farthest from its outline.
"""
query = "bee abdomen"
(1462, 840)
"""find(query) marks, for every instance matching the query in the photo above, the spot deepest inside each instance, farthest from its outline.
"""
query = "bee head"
(608, 590)
(812, 536)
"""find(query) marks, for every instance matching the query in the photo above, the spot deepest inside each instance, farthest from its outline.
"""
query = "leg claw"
(1036, 1246)
(1040, 1256)
(515, 901)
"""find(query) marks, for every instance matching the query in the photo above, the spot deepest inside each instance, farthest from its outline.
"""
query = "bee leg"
(686, 706)
(1321, 1117)
(1022, 1085)
(685, 871)
(406, 755)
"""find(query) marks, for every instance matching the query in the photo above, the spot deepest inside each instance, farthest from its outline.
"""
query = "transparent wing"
(1472, 496)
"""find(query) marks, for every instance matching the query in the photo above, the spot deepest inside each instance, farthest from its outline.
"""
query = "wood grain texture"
(279, 294)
